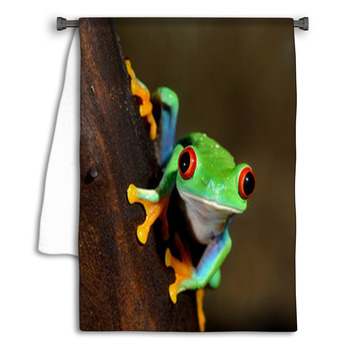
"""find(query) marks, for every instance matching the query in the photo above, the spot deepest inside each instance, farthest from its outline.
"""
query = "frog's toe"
(132, 194)
(176, 288)
(142, 232)
(173, 292)
(168, 257)
(153, 126)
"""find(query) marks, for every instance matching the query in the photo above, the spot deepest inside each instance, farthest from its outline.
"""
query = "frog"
(212, 189)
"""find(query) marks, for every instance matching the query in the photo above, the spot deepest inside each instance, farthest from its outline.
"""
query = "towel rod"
(62, 23)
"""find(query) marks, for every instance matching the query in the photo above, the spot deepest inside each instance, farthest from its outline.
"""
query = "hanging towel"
(234, 82)
(60, 211)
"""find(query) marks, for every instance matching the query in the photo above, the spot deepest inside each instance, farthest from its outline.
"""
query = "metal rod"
(62, 23)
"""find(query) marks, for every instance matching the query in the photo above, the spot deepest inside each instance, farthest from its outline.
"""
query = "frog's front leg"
(155, 201)
(154, 207)
(215, 280)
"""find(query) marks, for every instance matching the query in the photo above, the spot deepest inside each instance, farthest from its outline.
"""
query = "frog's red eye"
(187, 163)
(246, 183)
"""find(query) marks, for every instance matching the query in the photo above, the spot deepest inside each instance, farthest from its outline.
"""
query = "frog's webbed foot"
(155, 207)
(183, 268)
(145, 106)
(184, 271)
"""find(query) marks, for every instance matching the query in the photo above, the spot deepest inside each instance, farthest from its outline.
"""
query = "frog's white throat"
(206, 218)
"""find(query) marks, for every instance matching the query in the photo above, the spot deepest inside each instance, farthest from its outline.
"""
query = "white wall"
(39, 294)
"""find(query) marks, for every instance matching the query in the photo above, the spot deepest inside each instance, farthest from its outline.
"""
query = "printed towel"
(187, 164)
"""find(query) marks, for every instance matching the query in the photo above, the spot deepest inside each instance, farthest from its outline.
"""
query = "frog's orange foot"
(183, 269)
(153, 211)
(145, 105)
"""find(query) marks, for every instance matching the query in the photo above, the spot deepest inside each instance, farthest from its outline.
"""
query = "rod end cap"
(61, 23)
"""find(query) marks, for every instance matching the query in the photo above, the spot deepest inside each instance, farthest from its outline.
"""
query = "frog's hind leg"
(188, 277)
(184, 270)
(139, 89)
(155, 207)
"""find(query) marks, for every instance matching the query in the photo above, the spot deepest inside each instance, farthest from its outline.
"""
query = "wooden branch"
(123, 284)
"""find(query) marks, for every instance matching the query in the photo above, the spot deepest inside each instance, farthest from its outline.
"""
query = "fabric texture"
(60, 212)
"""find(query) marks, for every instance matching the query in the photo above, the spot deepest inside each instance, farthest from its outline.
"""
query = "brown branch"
(123, 284)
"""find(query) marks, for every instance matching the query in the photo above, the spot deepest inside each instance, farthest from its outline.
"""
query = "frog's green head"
(207, 172)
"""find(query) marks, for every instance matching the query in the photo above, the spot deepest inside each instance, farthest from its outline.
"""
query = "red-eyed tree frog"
(213, 190)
